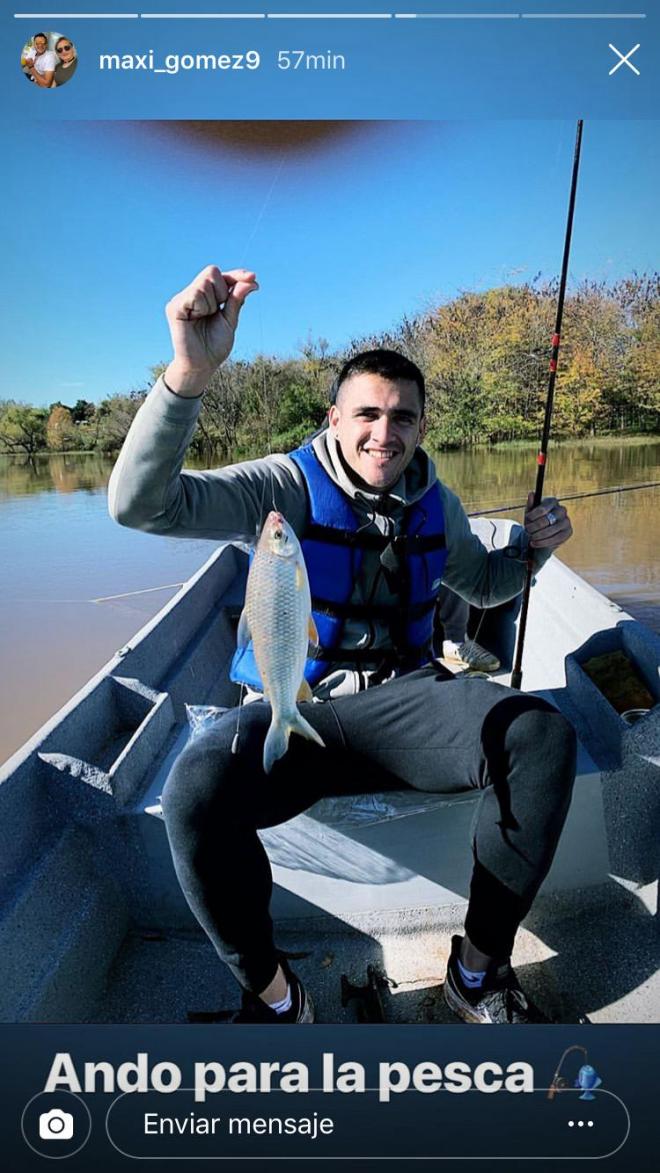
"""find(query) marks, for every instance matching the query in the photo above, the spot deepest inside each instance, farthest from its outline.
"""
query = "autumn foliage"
(485, 357)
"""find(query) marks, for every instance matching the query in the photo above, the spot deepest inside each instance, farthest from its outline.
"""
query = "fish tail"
(304, 729)
(276, 743)
(277, 738)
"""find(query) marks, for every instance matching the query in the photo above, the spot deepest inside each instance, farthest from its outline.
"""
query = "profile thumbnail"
(49, 60)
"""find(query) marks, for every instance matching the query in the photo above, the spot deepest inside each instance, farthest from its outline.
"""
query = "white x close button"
(624, 59)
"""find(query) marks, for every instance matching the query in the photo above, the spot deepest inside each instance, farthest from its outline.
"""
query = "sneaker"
(499, 1000)
(470, 655)
(253, 1009)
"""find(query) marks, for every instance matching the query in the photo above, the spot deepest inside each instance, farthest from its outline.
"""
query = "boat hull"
(84, 848)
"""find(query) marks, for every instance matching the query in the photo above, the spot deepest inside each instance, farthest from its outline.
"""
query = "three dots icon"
(580, 1123)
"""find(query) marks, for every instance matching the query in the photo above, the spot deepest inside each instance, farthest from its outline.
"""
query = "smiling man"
(377, 418)
(41, 69)
(380, 534)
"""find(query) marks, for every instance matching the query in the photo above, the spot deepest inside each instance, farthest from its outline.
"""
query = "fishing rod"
(516, 675)
(569, 497)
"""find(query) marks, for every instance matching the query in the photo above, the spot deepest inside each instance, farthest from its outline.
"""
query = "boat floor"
(159, 978)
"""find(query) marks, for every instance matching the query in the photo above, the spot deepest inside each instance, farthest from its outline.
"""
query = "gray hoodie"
(148, 491)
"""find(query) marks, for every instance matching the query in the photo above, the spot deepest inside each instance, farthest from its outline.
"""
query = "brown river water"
(65, 562)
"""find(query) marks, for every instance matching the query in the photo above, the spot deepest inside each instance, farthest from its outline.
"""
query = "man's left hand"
(547, 526)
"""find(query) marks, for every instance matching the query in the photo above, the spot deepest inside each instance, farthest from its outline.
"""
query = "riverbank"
(217, 458)
(602, 439)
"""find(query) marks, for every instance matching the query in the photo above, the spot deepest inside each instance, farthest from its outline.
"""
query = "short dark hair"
(44, 35)
(389, 364)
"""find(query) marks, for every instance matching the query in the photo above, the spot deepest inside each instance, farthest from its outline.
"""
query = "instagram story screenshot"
(330, 602)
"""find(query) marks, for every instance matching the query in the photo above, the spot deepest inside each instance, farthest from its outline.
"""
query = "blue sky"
(110, 219)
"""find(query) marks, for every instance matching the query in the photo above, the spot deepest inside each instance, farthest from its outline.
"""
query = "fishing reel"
(559, 1082)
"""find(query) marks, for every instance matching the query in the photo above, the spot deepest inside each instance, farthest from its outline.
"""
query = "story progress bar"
(329, 16)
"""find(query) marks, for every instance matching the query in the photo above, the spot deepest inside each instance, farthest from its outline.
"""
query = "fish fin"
(598, 1081)
(312, 633)
(304, 692)
(243, 631)
(300, 578)
(299, 725)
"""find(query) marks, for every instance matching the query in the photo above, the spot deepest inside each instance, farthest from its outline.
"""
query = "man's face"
(40, 44)
(378, 424)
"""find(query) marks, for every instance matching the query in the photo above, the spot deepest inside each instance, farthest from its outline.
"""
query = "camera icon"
(56, 1125)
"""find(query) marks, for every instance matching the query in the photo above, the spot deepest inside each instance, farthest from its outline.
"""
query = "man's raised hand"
(202, 319)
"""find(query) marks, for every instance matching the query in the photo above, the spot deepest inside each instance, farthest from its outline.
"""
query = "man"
(380, 533)
(67, 62)
(41, 69)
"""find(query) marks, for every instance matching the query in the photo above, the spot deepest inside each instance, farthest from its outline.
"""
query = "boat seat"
(353, 856)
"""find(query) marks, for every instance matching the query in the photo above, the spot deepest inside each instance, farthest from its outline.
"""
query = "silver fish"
(277, 617)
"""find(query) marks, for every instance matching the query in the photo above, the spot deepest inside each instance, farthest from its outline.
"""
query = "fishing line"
(264, 394)
(129, 594)
(243, 256)
(104, 598)
(569, 497)
(372, 513)
(271, 476)
(565, 497)
(262, 213)
(266, 407)
(471, 641)
(241, 697)
(261, 519)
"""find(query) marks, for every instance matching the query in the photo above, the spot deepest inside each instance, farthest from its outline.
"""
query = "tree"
(642, 369)
(60, 430)
(22, 428)
(82, 411)
(223, 409)
(115, 416)
(484, 355)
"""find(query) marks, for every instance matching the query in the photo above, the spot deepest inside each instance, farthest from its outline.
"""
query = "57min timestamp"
(301, 60)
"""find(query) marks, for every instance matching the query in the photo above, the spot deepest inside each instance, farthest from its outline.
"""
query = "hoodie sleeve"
(148, 490)
(482, 577)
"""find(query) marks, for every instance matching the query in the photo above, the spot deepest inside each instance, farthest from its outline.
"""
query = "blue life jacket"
(333, 545)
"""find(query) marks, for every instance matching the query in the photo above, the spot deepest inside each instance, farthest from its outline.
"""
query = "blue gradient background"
(396, 68)
(403, 70)
(440, 1124)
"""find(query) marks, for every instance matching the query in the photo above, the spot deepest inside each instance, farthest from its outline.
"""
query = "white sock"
(284, 1004)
